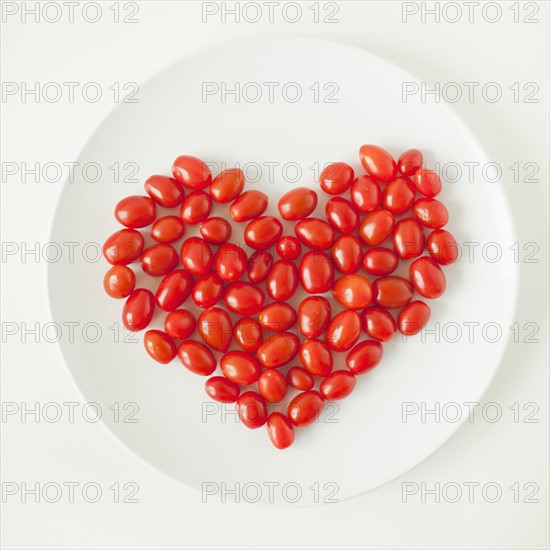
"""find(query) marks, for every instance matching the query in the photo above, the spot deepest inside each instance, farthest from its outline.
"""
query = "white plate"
(363, 442)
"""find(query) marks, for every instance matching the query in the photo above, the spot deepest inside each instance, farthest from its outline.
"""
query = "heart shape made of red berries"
(256, 338)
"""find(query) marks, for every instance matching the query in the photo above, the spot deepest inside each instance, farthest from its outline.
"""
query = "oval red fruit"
(427, 277)
(230, 262)
(123, 247)
(342, 215)
(305, 408)
(288, 248)
(119, 281)
(227, 185)
(248, 206)
(378, 323)
(240, 367)
(243, 298)
(297, 204)
(365, 194)
(282, 280)
(159, 346)
(277, 317)
(431, 213)
(138, 309)
(352, 291)
(364, 356)
(427, 182)
(392, 291)
(196, 255)
(316, 272)
(207, 290)
(315, 233)
(413, 318)
(343, 330)
(338, 385)
(158, 260)
(410, 161)
(263, 232)
(215, 230)
(346, 253)
(168, 229)
(221, 389)
(300, 378)
(314, 316)
(336, 178)
(164, 191)
(196, 357)
(248, 334)
(376, 227)
(278, 350)
(442, 247)
(316, 357)
(252, 410)
(398, 196)
(191, 172)
(136, 211)
(272, 385)
(215, 328)
(179, 324)
(408, 239)
(259, 265)
(174, 289)
(380, 261)
(377, 162)
(196, 207)
(280, 430)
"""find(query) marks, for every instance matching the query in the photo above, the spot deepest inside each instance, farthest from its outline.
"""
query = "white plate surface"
(362, 442)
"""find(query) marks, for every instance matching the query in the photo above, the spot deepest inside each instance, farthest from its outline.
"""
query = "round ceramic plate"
(281, 107)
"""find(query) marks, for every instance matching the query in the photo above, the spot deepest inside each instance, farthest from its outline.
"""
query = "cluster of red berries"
(363, 213)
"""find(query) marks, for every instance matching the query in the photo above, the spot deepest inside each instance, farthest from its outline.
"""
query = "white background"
(168, 515)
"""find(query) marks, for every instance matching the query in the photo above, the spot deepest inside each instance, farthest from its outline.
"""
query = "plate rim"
(508, 212)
